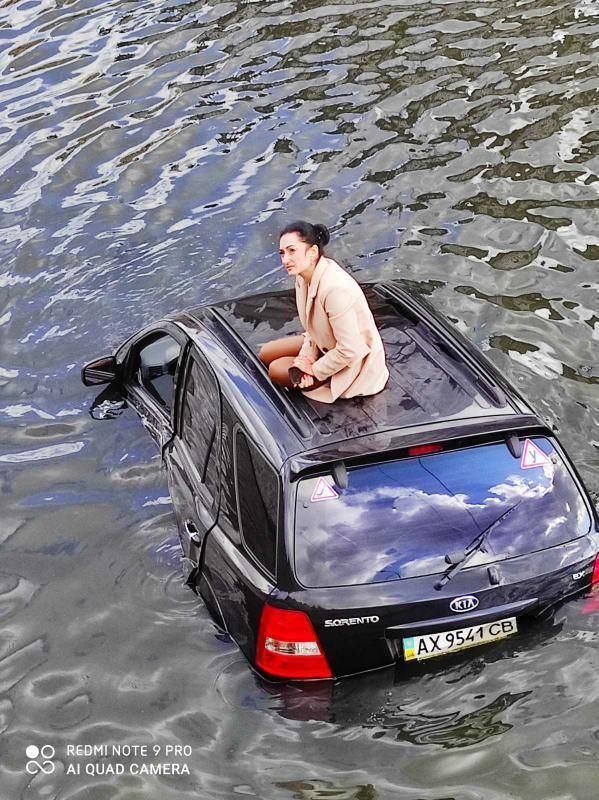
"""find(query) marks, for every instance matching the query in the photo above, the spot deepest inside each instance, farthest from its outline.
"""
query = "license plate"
(438, 644)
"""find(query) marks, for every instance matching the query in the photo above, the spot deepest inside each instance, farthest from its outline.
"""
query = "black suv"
(333, 539)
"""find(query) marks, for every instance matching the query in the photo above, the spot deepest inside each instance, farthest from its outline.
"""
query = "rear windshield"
(398, 519)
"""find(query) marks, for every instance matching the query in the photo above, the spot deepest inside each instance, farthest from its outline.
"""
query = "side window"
(257, 499)
(228, 514)
(155, 368)
(200, 422)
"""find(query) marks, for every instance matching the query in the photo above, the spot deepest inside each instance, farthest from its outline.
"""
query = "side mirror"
(109, 404)
(102, 370)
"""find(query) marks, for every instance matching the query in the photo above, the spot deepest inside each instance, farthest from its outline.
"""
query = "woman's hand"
(306, 381)
(305, 364)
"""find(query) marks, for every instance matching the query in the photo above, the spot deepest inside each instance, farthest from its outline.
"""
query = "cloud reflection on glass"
(398, 519)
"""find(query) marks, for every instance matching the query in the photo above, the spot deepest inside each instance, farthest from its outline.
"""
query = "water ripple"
(149, 153)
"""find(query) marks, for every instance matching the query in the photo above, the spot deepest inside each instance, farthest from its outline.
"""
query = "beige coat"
(340, 336)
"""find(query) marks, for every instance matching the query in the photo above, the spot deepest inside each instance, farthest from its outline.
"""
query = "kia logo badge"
(461, 604)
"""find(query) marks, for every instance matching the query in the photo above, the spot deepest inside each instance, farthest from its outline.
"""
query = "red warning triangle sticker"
(323, 491)
(533, 456)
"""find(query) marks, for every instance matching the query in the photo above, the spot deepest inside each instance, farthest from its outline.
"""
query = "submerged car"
(329, 540)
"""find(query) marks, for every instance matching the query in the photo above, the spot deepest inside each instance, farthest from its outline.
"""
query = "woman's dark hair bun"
(312, 234)
(322, 232)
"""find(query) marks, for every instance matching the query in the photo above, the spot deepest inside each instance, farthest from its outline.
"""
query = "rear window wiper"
(459, 559)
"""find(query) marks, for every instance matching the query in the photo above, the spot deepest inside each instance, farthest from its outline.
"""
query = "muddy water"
(149, 152)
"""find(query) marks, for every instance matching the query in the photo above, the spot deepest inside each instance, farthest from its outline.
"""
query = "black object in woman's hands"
(295, 376)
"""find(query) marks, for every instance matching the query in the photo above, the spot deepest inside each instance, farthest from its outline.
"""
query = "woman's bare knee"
(263, 355)
(270, 351)
(278, 371)
(279, 348)
(274, 372)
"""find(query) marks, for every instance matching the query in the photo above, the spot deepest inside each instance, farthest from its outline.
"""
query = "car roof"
(437, 378)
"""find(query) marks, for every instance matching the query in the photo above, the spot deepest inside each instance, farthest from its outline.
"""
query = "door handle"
(192, 532)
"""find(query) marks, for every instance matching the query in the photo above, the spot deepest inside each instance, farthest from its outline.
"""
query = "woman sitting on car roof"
(341, 353)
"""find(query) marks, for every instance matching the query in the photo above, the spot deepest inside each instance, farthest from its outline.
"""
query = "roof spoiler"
(393, 444)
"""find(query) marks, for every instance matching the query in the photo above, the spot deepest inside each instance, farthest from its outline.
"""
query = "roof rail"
(277, 396)
(483, 373)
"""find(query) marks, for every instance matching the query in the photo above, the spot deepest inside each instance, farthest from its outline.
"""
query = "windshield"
(399, 519)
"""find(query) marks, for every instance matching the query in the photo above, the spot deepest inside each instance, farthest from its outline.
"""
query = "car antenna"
(340, 475)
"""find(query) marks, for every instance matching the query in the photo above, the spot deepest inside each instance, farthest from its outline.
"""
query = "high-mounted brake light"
(595, 576)
(288, 646)
(424, 449)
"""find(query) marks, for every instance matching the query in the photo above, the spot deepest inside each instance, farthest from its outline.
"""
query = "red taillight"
(424, 449)
(595, 577)
(288, 646)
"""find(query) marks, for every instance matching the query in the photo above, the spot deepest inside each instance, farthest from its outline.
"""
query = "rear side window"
(201, 422)
(399, 519)
(257, 499)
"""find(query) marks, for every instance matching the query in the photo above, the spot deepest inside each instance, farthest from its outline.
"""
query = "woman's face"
(297, 256)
